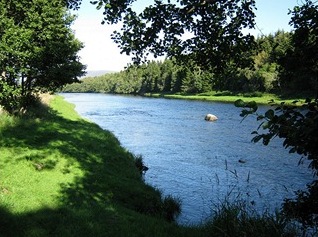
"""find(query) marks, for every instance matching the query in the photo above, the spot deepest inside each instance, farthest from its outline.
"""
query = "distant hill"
(96, 73)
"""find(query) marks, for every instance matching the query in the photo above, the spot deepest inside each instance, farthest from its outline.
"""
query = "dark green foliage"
(239, 220)
(73, 4)
(37, 51)
(214, 57)
(215, 28)
(298, 127)
(216, 44)
(300, 63)
(172, 208)
(153, 77)
(172, 76)
(304, 207)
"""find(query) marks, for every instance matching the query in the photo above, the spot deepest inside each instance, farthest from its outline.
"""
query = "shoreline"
(262, 100)
(77, 180)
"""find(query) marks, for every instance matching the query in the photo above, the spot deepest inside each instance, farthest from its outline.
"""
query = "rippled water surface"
(195, 160)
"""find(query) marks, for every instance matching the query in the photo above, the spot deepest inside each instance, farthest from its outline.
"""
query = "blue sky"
(101, 53)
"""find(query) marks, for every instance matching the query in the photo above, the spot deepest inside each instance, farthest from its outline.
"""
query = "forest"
(266, 73)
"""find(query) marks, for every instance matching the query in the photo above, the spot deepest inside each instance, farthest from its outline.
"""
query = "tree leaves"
(249, 107)
(208, 32)
(239, 103)
(300, 64)
(269, 114)
(37, 47)
(298, 127)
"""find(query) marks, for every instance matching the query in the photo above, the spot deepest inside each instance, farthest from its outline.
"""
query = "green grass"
(61, 175)
(230, 97)
(64, 176)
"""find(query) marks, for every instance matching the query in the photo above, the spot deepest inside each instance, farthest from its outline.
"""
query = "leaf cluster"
(208, 32)
(38, 50)
(301, 60)
(298, 127)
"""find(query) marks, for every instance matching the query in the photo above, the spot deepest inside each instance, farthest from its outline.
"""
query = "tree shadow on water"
(106, 182)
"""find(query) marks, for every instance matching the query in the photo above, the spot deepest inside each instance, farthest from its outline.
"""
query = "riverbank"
(64, 176)
(228, 97)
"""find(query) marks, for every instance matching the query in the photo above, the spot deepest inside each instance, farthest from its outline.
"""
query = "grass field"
(61, 175)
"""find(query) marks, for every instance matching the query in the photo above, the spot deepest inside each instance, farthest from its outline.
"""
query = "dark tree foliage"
(297, 126)
(208, 32)
(73, 4)
(38, 51)
(188, 77)
(301, 61)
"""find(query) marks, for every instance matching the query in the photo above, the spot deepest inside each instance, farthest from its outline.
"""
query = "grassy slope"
(64, 176)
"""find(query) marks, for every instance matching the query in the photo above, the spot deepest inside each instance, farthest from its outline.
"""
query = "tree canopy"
(301, 60)
(215, 42)
(38, 50)
(168, 76)
(208, 31)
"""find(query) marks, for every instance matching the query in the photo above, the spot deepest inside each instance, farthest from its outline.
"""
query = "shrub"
(171, 208)
(238, 219)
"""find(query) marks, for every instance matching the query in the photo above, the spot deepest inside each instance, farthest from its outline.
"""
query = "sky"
(101, 53)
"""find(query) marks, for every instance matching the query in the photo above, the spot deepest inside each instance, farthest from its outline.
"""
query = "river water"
(194, 160)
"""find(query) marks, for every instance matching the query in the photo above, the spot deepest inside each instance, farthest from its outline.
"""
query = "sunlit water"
(195, 160)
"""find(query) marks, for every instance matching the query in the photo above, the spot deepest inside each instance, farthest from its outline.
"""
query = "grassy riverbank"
(64, 176)
(229, 97)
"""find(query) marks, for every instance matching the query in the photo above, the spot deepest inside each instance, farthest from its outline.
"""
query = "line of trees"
(267, 73)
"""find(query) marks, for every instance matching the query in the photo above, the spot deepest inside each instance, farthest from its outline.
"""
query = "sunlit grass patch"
(64, 176)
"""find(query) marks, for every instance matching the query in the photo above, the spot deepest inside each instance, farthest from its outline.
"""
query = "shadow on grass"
(57, 222)
(109, 198)
(294, 95)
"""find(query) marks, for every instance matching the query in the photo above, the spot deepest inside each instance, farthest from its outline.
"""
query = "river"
(197, 161)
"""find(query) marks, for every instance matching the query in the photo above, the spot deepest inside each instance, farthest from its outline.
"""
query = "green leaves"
(37, 47)
(269, 114)
(251, 104)
(212, 30)
(249, 107)
(298, 127)
(300, 63)
(239, 103)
